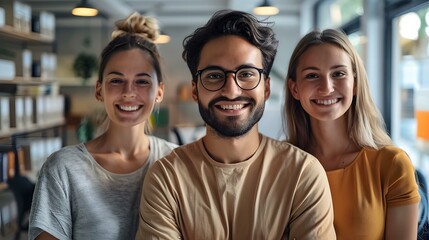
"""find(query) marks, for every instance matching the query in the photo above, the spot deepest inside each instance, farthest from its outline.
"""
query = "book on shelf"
(7, 158)
(36, 89)
(4, 165)
(4, 114)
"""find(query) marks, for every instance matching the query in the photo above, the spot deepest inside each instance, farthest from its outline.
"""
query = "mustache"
(222, 98)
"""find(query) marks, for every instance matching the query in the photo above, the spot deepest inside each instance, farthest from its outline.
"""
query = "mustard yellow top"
(362, 191)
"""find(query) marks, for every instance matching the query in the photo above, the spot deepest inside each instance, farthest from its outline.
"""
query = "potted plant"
(84, 66)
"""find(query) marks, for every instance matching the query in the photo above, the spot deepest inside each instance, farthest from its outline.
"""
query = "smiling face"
(231, 111)
(129, 88)
(324, 82)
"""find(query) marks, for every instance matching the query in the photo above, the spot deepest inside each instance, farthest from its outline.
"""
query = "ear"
(98, 91)
(293, 88)
(160, 93)
(194, 91)
(267, 83)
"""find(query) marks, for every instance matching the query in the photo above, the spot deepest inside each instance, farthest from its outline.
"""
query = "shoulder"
(178, 158)
(162, 143)
(391, 151)
(390, 161)
(388, 156)
(289, 152)
(66, 157)
(67, 152)
(291, 160)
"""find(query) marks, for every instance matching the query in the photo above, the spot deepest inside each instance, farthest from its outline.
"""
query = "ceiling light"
(265, 9)
(84, 9)
(163, 38)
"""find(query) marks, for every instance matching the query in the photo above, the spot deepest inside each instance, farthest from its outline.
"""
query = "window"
(335, 13)
(410, 82)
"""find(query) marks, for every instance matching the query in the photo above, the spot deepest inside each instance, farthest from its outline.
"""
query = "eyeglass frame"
(260, 70)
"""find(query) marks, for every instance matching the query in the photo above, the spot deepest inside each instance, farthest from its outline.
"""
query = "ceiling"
(169, 13)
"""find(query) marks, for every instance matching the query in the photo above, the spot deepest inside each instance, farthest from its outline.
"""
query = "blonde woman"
(330, 114)
(93, 190)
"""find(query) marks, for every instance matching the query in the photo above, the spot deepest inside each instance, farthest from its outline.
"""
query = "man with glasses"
(234, 183)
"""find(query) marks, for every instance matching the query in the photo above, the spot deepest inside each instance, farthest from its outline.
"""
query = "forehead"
(131, 58)
(325, 54)
(229, 52)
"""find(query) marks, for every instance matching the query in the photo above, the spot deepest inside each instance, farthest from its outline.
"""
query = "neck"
(329, 138)
(231, 149)
(331, 144)
(128, 140)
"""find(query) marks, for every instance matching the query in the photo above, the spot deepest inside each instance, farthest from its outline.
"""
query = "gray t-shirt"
(76, 198)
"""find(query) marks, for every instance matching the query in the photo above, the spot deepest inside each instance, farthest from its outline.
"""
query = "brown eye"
(311, 76)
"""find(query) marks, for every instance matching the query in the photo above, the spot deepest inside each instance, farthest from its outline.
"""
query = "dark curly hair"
(230, 22)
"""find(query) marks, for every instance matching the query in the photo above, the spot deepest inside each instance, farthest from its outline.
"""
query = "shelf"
(28, 86)
(32, 128)
(27, 81)
(9, 33)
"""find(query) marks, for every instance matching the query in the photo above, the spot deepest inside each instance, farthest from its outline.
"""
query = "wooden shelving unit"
(9, 33)
(46, 128)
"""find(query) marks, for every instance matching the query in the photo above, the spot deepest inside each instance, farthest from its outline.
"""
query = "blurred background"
(43, 52)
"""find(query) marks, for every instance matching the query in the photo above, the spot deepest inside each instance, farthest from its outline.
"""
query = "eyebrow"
(138, 74)
(315, 68)
(240, 66)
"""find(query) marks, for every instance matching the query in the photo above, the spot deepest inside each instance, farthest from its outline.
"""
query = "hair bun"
(135, 24)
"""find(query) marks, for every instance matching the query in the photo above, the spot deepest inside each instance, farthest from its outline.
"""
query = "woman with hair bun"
(92, 190)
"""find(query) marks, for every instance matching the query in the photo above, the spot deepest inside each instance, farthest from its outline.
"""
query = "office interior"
(37, 62)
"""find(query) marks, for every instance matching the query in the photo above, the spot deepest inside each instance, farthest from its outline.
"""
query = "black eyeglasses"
(214, 78)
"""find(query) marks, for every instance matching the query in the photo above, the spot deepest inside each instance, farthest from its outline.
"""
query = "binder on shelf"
(4, 164)
(16, 110)
(26, 64)
(10, 164)
(7, 159)
(2, 17)
(18, 15)
(4, 114)
(30, 87)
(8, 71)
(38, 109)
(28, 111)
(44, 23)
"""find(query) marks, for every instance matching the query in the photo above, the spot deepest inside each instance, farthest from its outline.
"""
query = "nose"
(230, 89)
(326, 85)
(128, 90)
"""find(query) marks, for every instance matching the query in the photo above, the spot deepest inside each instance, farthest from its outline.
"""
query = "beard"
(231, 126)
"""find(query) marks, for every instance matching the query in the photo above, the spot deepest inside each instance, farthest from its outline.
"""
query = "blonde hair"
(364, 121)
(135, 24)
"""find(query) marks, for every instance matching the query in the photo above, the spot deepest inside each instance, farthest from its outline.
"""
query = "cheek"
(146, 91)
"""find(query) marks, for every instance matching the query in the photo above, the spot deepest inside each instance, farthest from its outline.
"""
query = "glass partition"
(410, 82)
(335, 13)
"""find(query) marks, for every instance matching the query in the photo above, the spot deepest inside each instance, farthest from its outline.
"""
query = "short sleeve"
(402, 185)
(50, 210)
(312, 214)
(157, 208)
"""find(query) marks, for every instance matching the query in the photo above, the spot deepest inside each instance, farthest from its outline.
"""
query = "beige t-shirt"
(281, 192)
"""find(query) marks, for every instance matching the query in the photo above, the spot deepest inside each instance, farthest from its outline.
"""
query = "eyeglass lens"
(246, 78)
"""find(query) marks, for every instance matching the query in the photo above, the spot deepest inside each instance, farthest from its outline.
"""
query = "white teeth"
(327, 102)
(232, 107)
(128, 108)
